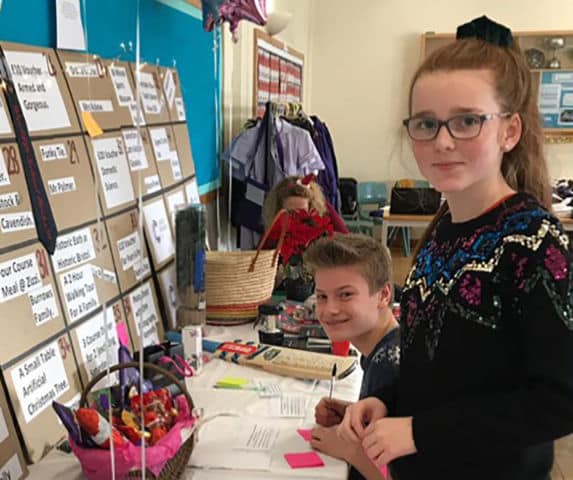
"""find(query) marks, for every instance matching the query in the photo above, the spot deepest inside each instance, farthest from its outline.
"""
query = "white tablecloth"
(245, 404)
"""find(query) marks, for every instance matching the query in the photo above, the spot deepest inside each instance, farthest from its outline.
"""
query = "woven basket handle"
(281, 213)
(121, 366)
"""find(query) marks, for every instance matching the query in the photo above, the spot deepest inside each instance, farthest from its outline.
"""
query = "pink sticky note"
(122, 334)
(304, 460)
(305, 433)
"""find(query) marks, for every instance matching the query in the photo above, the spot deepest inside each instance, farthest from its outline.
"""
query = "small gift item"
(99, 429)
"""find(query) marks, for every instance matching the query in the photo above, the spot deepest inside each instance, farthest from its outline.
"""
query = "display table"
(242, 405)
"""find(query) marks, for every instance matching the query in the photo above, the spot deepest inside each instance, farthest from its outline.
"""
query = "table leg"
(384, 238)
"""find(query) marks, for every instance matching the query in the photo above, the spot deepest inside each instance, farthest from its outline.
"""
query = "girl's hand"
(387, 439)
(358, 416)
(329, 411)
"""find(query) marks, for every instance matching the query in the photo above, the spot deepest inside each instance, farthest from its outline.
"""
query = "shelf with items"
(550, 57)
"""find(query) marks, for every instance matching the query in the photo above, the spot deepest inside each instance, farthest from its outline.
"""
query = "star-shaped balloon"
(216, 12)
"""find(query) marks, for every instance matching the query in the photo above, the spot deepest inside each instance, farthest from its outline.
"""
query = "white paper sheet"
(70, 27)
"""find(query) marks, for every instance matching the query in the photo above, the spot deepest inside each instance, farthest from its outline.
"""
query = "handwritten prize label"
(43, 303)
(169, 87)
(149, 94)
(129, 248)
(120, 82)
(96, 106)
(56, 151)
(160, 143)
(38, 92)
(137, 118)
(103, 274)
(152, 184)
(135, 151)
(79, 291)
(175, 165)
(73, 249)
(144, 314)
(13, 222)
(180, 106)
(113, 170)
(4, 123)
(39, 380)
(141, 268)
(62, 185)
(91, 337)
(19, 276)
(11, 469)
(157, 224)
(10, 200)
(82, 70)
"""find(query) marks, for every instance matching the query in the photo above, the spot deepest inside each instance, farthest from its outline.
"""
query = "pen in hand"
(332, 377)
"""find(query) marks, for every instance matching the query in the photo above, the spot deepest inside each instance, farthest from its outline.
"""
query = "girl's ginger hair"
(524, 167)
(288, 187)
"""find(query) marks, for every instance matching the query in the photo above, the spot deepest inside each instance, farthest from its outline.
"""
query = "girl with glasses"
(486, 368)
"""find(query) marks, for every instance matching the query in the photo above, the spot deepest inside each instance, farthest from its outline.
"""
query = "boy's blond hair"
(369, 256)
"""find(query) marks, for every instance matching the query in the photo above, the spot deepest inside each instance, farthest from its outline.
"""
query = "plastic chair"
(371, 198)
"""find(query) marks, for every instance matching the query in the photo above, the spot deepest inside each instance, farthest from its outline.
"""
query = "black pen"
(332, 377)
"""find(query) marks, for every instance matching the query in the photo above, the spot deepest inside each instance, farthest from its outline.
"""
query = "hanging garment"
(327, 178)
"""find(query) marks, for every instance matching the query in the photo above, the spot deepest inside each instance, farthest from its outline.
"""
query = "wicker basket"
(236, 283)
(175, 467)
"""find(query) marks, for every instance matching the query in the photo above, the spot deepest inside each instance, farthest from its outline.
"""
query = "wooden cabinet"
(550, 56)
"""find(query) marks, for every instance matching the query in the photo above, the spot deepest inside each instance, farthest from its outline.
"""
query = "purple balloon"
(216, 12)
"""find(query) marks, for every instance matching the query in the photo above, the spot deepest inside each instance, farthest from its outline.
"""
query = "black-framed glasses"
(461, 127)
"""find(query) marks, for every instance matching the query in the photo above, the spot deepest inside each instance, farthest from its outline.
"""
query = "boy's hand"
(358, 416)
(389, 438)
(326, 440)
(329, 411)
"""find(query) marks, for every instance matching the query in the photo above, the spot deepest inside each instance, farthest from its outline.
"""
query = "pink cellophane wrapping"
(96, 462)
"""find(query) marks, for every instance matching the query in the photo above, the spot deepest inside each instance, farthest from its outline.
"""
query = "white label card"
(103, 274)
(157, 224)
(40, 380)
(180, 109)
(37, 90)
(73, 250)
(10, 200)
(145, 314)
(44, 306)
(96, 106)
(57, 151)
(169, 87)
(175, 165)
(141, 268)
(62, 185)
(137, 118)
(129, 250)
(14, 222)
(113, 170)
(82, 70)
(160, 143)
(79, 291)
(175, 200)
(121, 85)
(167, 278)
(3, 428)
(11, 470)
(4, 123)
(135, 151)
(152, 184)
(192, 192)
(91, 337)
(149, 94)
(4, 177)
(19, 276)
